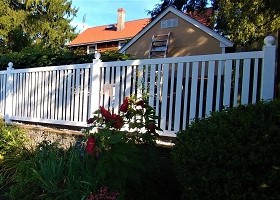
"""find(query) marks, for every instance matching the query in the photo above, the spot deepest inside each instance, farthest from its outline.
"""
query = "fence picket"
(218, 87)
(186, 93)
(117, 90)
(210, 88)
(164, 95)
(193, 101)
(255, 83)
(236, 83)
(77, 95)
(178, 92)
(201, 96)
(84, 113)
(159, 89)
(227, 83)
(171, 95)
(245, 82)
(152, 86)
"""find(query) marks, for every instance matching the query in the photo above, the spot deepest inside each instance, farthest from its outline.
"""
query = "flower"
(90, 120)
(117, 121)
(105, 113)
(140, 103)
(152, 127)
(90, 145)
(124, 106)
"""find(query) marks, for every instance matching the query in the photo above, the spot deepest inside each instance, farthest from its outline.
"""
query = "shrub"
(233, 154)
(12, 138)
(38, 57)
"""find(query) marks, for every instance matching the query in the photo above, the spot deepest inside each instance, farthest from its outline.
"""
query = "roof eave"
(98, 42)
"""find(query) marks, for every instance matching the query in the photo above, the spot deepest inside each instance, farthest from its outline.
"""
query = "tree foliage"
(245, 22)
(40, 22)
(183, 5)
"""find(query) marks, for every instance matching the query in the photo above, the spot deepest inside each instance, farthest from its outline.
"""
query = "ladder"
(159, 46)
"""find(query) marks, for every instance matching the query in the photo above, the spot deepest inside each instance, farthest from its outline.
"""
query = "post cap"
(269, 40)
(10, 65)
(97, 55)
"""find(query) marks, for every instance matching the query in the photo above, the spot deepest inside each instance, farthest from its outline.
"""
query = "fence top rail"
(197, 58)
(50, 68)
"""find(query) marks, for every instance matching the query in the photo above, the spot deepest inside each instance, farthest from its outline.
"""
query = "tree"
(11, 21)
(183, 5)
(44, 22)
(245, 22)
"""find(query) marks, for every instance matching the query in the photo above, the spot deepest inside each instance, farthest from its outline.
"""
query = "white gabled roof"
(224, 42)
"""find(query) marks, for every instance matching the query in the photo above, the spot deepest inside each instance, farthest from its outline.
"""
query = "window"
(121, 44)
(91, 49)
(169, 23)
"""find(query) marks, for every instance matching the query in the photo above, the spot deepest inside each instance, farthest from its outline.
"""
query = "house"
(108, 37)
(173, 34)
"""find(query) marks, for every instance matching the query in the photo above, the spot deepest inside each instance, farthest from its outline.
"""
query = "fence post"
(94, 96)
(268, 72)
(9, 98)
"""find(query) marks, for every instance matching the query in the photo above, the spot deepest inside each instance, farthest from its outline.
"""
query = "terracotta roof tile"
(101, 33)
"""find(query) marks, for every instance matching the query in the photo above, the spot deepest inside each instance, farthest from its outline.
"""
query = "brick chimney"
(121, 19)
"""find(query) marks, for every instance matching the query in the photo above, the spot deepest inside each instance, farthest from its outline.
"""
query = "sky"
(104, 12)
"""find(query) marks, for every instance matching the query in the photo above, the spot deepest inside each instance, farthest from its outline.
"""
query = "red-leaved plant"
(114, 140)
(136, 118)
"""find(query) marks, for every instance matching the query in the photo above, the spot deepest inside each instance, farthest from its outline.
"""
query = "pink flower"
(90, 145)
(117, 121)
(152, 127)
(105, 113)
(124, 106)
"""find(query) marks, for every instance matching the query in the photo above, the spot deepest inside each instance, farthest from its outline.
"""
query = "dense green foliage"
(233, 154)
(109, 163)
(30, 22)
(12, 139)
(244, 22)
(49, 172)
(39, 57)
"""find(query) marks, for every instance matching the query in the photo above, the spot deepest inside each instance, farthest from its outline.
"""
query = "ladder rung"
(158, 50)
(161, 35)
(160, 40)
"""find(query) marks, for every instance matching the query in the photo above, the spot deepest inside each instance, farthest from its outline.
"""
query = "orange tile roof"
(101, 34)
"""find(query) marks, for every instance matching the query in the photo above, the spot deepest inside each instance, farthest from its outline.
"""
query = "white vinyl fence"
(180, 89)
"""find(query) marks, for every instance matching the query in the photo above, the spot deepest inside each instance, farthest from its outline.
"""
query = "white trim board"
(224, 42)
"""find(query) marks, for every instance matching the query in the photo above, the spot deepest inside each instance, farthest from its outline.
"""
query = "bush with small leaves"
(233, 154)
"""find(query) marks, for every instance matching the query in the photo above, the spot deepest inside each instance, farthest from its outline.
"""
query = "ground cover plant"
(233, 154)
(12, 138)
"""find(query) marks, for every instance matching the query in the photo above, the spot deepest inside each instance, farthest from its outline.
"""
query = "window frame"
(88, 48)
(169, 23)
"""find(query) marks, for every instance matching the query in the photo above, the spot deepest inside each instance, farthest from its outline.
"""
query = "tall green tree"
(245, 22)
(11, 24)
(41, 22)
